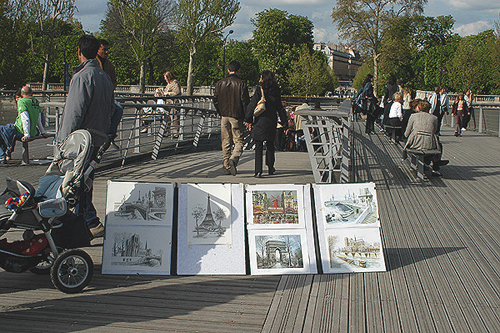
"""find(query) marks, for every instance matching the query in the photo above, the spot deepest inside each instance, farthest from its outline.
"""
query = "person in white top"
(396, 113)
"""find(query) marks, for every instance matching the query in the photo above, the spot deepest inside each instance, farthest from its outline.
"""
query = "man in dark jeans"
(89, 105)
(231, 99)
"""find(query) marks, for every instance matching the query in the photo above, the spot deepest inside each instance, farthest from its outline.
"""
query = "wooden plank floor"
(440, 236)
(441, 243)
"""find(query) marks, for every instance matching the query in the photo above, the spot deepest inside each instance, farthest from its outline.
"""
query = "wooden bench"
(391, 131)
(417, 160)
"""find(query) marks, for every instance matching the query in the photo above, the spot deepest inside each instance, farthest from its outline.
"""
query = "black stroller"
(52, 233)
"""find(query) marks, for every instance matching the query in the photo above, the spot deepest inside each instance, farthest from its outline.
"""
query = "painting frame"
(212, 259)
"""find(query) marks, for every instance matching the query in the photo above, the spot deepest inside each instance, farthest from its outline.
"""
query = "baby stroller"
(52, 233)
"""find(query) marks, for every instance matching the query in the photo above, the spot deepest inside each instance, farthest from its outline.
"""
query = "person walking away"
(264, 126)
(369, 104)
(300, 143)
(459, 110)
(468, 98)
(89, 105)
(388, 99)
(28, 121)
(108, 67)
(230, 100)
(422, 135)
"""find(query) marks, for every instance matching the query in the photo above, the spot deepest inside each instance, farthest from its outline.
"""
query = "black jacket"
(231, 97)
(264, 126)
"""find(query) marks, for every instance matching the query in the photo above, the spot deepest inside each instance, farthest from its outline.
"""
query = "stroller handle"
(107, 140)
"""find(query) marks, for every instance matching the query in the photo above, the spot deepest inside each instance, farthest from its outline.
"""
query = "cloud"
(473, 28)
(475, 5)
(324, 35)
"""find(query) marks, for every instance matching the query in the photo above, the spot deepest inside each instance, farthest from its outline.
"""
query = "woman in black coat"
(264, 126)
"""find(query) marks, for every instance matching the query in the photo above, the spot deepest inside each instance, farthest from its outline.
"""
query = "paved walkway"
(440, 237)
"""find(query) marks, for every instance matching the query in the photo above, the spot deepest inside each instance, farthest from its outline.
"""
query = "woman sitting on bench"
(422, 136)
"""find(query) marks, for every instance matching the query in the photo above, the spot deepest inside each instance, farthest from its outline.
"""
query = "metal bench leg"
(421, 167)
(26, 154)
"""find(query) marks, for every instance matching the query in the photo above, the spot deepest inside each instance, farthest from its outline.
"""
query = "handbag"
(261, 105)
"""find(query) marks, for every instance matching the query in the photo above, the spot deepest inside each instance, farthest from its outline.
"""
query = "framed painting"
(280, 251)
(347, 250)
(346, 205)
(211, 237)
(140, 249)
(129, 203)
(277, 206)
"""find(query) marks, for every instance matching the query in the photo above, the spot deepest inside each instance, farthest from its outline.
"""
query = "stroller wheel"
(72, 271)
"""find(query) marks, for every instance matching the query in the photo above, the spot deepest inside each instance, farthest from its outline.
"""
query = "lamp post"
(224, 54)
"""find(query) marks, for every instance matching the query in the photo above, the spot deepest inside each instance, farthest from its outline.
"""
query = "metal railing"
(329, 140)
(148, 128)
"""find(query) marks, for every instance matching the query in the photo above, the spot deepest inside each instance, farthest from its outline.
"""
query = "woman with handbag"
(263, 111)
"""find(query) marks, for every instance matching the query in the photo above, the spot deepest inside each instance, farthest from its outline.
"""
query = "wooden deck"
(441, 240)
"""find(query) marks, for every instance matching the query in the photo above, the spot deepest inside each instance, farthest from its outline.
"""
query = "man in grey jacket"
(89, 105)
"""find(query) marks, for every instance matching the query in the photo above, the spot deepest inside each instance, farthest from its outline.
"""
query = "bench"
(391, 131)
(26, 154)
(417, 160)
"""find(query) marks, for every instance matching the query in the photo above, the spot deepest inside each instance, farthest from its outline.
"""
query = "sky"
(471, 17)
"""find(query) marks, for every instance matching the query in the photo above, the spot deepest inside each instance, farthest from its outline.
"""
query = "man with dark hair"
(89, 105)
(109, 68)
(231, 99)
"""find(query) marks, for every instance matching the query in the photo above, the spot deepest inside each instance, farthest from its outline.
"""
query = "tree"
(365, 22)
(49, 16)
(140, 24)
(277, 39)
(310, 74)
(197, 20)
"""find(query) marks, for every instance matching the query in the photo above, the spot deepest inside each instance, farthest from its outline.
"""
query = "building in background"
(344, 61)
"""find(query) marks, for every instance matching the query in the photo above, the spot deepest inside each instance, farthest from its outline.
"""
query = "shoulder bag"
(261, 105)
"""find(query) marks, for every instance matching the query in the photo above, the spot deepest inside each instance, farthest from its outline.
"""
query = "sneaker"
(97, 231)
(226, 171)
(444, 162)
(272, 171)
(463, 130)
(436, 173)
(232, 167)
(144, 130)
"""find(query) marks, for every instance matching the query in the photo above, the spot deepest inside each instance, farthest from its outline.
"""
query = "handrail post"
(480, 120)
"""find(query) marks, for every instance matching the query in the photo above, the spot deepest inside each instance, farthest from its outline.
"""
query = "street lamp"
(224, 54)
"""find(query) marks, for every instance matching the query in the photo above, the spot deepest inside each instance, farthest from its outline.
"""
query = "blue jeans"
(116, 117)
(8, 135)
(86, 208)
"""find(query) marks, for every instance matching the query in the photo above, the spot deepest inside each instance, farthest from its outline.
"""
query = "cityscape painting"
(346, 205)
(281, 252)
(143, 203)
(209, 213)
(354, 250)
(137, 250)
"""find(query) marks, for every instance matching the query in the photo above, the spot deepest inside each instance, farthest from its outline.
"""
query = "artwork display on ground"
(138, 237)
(280, 231)
(211, 236)
(349, 228)
(210, 229)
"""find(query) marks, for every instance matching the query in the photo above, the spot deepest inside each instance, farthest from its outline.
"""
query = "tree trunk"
(375, 72)
(142, 77)
(46, 69)
(190, 78)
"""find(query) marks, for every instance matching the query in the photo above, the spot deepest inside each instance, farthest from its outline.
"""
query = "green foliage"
(474, 63)
(364, 70)
(310, 74)
(140, 24)
(277, 39)
(199, 20)
(242, 51)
